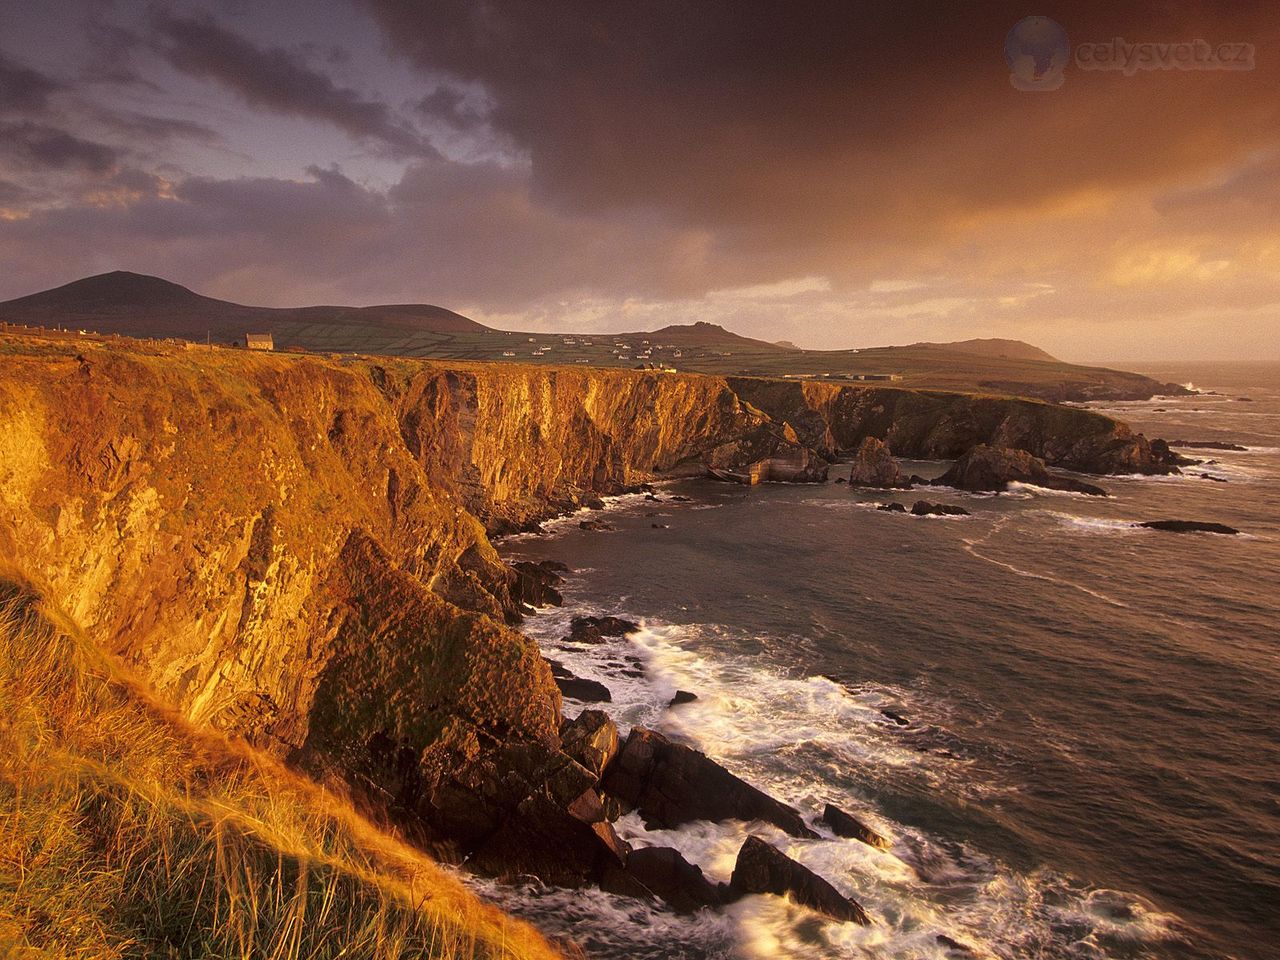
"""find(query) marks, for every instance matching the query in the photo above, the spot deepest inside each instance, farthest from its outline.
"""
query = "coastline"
(368, 495)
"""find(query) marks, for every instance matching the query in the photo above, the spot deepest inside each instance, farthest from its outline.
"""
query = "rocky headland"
(297, 551)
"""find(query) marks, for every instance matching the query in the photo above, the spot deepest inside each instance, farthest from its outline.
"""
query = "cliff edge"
(295, 550)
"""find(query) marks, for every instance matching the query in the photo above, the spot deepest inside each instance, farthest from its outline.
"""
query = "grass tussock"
(125, 833)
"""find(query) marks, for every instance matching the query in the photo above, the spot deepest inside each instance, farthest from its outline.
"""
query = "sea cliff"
(296, 550)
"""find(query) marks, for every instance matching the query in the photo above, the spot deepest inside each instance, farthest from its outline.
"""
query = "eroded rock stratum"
(296, 549)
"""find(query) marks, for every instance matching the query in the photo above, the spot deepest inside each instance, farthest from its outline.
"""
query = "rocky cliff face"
(515, 443)
(296, 550)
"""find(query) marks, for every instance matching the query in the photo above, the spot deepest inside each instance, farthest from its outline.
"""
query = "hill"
(993, 347)
(702, 334)
(135, 305)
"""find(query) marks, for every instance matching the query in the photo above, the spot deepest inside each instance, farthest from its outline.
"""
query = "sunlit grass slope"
(124, 833)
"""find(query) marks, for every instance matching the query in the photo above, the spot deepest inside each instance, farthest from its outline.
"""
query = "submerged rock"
(874, 466)
(992, 469)
(598, 629)
(891, 507)
(1188, 526)
(1207, 445)
(761, 868)
(845, 825)
(598, 525)
(896, 717)
(923, 508)
(671, 784)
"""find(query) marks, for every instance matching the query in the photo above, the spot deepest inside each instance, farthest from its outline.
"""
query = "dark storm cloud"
(450, 232)
(22, 89)
(280, 80)
(39, 146)
(808, 123)
(828, 172)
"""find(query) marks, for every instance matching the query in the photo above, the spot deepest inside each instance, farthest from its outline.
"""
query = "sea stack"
(874, 466)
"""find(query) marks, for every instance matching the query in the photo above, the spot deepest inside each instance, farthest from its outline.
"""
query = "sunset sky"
(836, 174)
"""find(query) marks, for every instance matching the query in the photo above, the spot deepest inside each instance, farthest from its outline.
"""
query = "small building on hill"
(259, 341)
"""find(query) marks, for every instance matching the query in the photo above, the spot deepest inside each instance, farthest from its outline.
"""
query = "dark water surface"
(1091, 761)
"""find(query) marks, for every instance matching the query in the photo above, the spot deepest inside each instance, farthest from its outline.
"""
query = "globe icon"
(1036, 50)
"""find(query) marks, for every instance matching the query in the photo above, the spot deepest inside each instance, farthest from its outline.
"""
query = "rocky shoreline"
(298, 551)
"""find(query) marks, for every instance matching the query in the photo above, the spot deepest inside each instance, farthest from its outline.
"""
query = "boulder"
(536, 581)
(665, 873)
(874, 466)
(581, 689)
(1161, 453)
(578, 688)
(923, 508)
(670, 784)
(891, 508)
(845, 825)
(597, 629)
(1188, 526)
(598, 525)
(682, 696)
(896, 717)
(992, 469)
(591, 739)
(510, 808)
(762, 868)
(569, 845)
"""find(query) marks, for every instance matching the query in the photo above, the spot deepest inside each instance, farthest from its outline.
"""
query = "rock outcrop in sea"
(992, 469)
(874, 466)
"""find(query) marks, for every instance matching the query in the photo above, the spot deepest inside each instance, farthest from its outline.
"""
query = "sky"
(835, 174)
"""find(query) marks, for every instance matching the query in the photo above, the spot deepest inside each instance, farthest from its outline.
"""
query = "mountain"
(992, 347)
(137, 305)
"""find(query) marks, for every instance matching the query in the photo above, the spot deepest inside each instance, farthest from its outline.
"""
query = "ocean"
(1069, 728)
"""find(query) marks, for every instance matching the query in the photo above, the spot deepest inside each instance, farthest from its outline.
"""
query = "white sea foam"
(810, 741)
(1038, 491)
(768, 726)
(1086, 524)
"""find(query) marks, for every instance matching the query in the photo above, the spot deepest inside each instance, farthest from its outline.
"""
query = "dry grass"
(124, 833)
